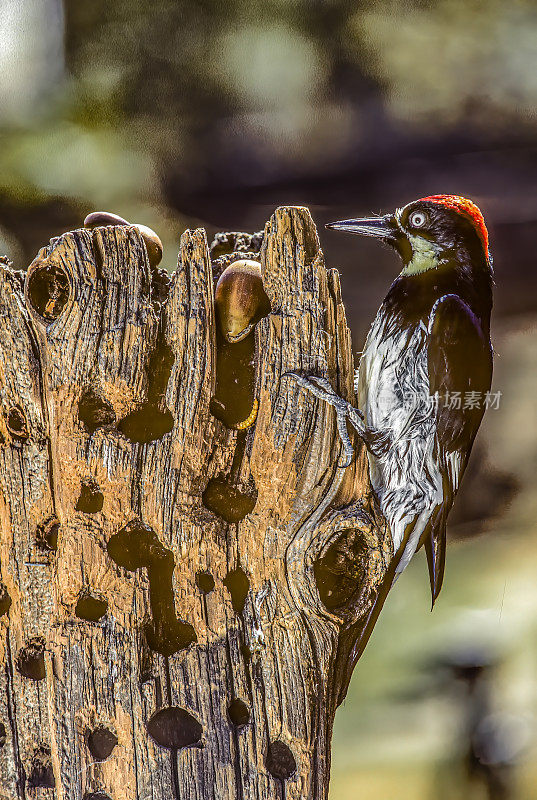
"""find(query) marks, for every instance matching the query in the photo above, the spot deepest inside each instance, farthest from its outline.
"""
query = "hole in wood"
(239, 713)
(153, 419)
(234, 395)
(90, 607)
(135, 547)
(205, 582)
(101, 742)
(174, 728)
(237, 583)
(3, 734)
(90, 500)
(280, 761)
(146, 424)
(30, 661)
(97, 796)
(228, 501)
(48, 291)
(94, 412)
(340, 571)
(5, 600)
(47, 535)
(16, 424)
(42, 775)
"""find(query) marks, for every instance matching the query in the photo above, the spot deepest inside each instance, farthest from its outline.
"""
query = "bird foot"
(320, 388)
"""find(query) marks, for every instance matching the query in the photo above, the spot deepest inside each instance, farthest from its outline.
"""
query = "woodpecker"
(427, 351)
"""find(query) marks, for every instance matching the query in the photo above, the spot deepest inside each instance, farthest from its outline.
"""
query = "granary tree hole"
(90, 607)
(17, 424)
(30, 661)
(205, 582)
(153, 419)
(47, 535)
(280, 761)
(237, 583)
(340, 571)
(101, 742)
(5, 600)
(48, 291)
(228, 501)
(41, 774)
(238, 713)
(94, 412)
(174, 728)
(91, 499)
(137, 546)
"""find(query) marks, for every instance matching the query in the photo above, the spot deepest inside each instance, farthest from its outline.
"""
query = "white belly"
(393, 394)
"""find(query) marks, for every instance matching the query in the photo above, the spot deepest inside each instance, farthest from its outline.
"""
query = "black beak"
(384, 228)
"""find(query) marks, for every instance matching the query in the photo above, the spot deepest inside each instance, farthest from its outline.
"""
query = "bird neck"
(412, 295)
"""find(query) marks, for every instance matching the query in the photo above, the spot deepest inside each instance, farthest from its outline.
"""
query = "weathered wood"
(185, 636)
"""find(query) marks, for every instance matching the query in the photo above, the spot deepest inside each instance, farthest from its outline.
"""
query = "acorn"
(153, 245)
(240, 299)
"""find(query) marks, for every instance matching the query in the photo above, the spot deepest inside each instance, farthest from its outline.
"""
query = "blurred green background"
(199, 112)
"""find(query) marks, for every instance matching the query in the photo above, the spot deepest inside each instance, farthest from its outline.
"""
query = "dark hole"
(174, 728)
(280, 761)
(16, 424)
(146, 424)
(5, 600)
(228, 501)
(48, 291)
(235, 380)
(168, 636)
(204, 582)
(47, 535)
(135, 547)
(41, 775)
(91, 499)
(246, 653)
(94, 412)
(101, 742)
(97, 796)
(339, 573)
(238, 584)
(152, 420)
(239, 713)
(30, 660)
(3, 734)
(90, 607)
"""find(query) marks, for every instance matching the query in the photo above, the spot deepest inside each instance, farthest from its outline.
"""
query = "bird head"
(439, 231)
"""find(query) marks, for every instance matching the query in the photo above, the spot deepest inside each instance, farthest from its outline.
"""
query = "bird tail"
(435, 548)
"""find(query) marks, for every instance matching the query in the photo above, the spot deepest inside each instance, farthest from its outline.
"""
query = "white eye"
(417, 219)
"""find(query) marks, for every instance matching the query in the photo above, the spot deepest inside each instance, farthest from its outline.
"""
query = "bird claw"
(322, 389)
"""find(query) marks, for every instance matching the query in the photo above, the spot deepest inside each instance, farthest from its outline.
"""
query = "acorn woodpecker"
(425, 372)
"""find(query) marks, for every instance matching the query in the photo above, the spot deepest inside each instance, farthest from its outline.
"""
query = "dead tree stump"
(179, 597)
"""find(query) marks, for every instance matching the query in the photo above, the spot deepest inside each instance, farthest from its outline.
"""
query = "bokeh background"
(177, 113)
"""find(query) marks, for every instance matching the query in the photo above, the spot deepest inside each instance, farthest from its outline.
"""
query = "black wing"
(459, 357)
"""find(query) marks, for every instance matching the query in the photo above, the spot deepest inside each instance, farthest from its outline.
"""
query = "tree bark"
(180, 597)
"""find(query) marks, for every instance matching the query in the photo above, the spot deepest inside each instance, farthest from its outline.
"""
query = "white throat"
(425, 255)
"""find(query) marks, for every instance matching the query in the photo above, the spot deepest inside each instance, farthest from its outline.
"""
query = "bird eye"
(418, 219)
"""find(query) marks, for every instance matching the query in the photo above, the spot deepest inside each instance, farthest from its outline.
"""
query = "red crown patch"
(466, 207)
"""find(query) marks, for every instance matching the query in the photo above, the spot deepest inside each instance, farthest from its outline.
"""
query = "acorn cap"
(240, 299)
(153, 245)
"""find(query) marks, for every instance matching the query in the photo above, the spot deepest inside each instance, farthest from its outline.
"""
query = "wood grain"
(206, 582)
